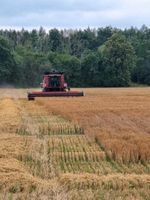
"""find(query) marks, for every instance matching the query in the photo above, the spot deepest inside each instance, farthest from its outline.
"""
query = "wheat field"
(92, 147)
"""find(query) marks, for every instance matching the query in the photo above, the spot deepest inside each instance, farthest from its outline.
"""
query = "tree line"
(106, 57)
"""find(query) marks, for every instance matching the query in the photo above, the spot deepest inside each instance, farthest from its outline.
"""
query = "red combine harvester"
(54, 85)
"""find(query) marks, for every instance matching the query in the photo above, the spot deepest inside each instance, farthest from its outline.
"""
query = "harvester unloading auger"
(54, 85)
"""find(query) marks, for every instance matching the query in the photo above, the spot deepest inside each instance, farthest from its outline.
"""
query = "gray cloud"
(74, 13)
(15, 7)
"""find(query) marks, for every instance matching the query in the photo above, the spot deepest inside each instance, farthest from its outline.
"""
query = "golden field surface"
(92, 147)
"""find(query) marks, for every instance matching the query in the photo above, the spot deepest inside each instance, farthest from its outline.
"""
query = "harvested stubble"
(37, 121)
(9, 115)
(72, 153)
(11, 145)
(115, 181)
(37, 159)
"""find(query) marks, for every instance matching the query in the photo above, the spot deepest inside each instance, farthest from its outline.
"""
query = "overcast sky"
(74, 13)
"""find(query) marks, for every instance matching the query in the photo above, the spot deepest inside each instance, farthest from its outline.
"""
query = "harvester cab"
(53, 81)
(54, 85)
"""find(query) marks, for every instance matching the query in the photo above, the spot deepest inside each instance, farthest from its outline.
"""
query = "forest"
(102, 57)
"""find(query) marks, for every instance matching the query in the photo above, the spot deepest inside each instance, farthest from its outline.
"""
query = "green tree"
(118, 61)
(103, 34)
(55, 40)
(141, 73)
(42, 40)
(31, 66)
(34, 39)
(89, 69)
(7, 62)
(70, 65)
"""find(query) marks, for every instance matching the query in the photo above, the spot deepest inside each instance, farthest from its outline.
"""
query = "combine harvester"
(54, 85)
